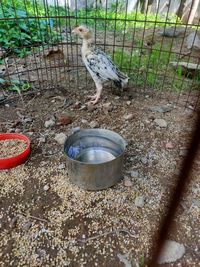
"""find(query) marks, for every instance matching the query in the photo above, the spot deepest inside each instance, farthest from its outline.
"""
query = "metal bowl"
(95, 158)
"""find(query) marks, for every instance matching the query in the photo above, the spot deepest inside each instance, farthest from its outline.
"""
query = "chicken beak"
(74, 31)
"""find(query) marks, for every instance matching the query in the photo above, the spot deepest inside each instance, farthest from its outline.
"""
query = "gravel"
(65, 214)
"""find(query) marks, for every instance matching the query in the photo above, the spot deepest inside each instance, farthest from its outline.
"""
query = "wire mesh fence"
(158, 51)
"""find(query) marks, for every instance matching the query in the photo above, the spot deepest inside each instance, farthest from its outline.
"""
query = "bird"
(98, 63)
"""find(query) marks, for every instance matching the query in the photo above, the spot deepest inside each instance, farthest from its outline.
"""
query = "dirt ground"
(45, 220)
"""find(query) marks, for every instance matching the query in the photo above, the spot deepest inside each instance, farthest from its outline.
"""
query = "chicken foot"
(95, 98)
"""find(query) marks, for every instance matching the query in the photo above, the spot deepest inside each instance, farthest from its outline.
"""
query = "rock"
(46, 187)
(42, 139)
(124, 259)
(41, 252)
(139, 201)
(144, 160)
(128, 117)
(128, 103)
(173, 32)
(83, 107)
(64, 120)
(161, 123)
(60, 138)
(193, 41)
(49, 123)
(171, 252)
(17, 130)
(30, 133)
(183, 152)
(27, 226)
(187, 69)
(134, 174)
(27, 120)
(127, 182)
(94, 124)
(161, 109)
(61, 166)
(169, 145)
(13, 222)
(84, 121)
(107, 105)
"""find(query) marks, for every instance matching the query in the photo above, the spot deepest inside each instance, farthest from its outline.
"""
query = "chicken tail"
(122, 81)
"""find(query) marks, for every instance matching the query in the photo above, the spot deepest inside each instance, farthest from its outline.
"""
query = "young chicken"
(99, 65)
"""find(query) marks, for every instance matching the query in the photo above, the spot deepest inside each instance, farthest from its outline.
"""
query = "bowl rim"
(93, 130)
(14, 161)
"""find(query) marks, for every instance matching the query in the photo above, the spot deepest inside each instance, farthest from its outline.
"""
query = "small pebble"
(139, 201)
(61, 166)
(144, 160)
(127, 182)
(27, 226)
(42, 139)
(49, 123)
(134, 174)
(128, 117)
(46, 187)
(169, 145)
(84, 121)
(64, 120)
(94, 124)
(60, 138)
(183, 152)
(13, 222)
(161, 123)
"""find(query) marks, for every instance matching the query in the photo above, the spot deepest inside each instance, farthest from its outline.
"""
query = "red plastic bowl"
(7, 163)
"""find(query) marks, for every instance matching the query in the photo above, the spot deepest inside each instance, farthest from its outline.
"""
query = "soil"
(46, 220)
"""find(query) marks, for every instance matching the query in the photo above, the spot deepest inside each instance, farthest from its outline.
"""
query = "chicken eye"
(80, 30)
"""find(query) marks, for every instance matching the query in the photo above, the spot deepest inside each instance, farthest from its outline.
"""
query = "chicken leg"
(95, 98)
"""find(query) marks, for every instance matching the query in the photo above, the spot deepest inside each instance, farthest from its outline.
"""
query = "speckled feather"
(102, 69)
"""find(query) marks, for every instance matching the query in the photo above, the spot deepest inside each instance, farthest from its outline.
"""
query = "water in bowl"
(95, 155)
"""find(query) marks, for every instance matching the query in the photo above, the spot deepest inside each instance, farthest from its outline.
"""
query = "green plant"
(153, 69)
(14, 85)
(18, 33)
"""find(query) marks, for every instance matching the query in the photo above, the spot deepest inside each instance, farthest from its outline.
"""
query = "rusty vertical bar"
(183, 180)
